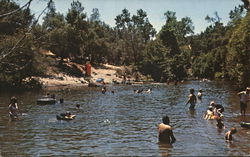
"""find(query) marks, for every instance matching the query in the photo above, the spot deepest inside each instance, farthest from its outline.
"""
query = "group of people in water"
(215, 111)
(165, 133)
(149, 90)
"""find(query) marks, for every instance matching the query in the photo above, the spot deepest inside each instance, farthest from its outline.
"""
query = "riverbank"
(109, 74)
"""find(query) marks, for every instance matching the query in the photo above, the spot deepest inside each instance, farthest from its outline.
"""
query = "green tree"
(76, 17)
(13, 23)
(52, 19)
(95, 16)
(181, 29)
(143, 26)
(238, 58)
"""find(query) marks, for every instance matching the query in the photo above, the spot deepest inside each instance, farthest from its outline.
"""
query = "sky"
(197, 10)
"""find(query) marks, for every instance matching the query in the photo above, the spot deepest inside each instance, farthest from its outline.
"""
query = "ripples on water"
(123, 123)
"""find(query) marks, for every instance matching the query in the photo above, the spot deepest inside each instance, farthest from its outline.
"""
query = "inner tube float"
(60, 117)
(245, 124)
(43, 101)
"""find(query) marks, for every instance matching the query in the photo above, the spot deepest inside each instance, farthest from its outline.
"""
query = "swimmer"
(104, 90)
(78, 106)
(66, 115)
(61, 100)
(192, 99)
(220, 124)
(209, 114)
(218, 109)
(165, 133)
(199, 95)
(13, 108)
(140, 91)
(149, 90)
(228, 135)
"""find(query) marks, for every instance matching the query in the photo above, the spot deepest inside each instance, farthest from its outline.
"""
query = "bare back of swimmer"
(165, 133)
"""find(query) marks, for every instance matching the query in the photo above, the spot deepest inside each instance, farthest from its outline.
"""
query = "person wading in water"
(192, 99)
(13, 108)
(244, 99)
(165, 133)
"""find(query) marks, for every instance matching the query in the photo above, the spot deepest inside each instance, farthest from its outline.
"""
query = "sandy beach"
(105, 71)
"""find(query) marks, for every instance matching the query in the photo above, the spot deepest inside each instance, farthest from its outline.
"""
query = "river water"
(123, 123)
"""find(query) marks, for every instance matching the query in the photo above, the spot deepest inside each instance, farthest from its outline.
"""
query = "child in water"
(209, 114)
(228, 135)
(199, 95)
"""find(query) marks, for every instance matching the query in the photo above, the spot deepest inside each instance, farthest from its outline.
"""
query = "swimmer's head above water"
(165, 120)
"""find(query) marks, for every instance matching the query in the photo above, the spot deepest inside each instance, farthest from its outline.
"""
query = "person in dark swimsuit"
(228, 135)
(165, 133)
(192, 99)
(13, 108)
(220, 124)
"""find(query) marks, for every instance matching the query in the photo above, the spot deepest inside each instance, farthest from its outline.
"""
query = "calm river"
(123, 123)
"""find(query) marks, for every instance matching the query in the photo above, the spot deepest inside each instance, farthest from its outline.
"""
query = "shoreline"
(61, 80)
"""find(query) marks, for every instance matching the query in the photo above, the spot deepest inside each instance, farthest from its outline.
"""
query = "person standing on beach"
(244, 99)
(165, 133)
(192, 99)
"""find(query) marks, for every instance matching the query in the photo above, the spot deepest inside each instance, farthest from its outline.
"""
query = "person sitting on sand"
(13, 108)
(228, 135)
(165, 133)
(192, 99)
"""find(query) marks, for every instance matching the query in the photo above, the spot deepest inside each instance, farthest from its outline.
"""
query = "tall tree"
(52, 19)
(14, 22)
(76, 17)
(95, 16)
(180, 28)
(143, 26)
(236, 15)
(238, 58)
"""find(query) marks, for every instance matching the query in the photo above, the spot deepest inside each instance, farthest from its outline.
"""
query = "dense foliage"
(174, 53)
